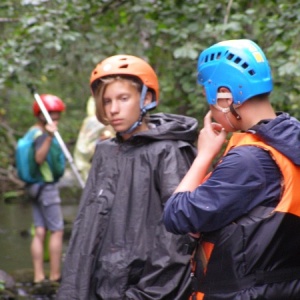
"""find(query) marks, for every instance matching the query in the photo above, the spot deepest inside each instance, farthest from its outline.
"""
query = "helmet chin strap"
(230, 124)
(226, 110)
(143, 112)
(234, 112)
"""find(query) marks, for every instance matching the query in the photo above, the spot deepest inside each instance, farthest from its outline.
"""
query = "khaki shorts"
(46, 209)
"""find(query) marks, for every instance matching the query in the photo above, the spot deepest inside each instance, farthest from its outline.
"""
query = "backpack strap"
(42, 186)
(40, 189)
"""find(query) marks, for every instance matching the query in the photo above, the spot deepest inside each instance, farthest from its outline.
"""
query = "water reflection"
(15, 238)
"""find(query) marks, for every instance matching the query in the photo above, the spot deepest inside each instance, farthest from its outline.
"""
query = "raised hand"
(211, 138)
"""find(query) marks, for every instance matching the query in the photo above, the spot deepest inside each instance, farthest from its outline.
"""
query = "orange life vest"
(290, 197)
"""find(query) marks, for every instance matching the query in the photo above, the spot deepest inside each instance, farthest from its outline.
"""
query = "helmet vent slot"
(213, 56)
(230, 56)
(245, 65)
(237, 60)
(125, 66)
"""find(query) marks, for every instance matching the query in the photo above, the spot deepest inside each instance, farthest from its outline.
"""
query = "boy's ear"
(226, 90)
(148, 98)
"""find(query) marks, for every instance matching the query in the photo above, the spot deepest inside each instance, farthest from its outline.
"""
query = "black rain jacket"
(119, 248)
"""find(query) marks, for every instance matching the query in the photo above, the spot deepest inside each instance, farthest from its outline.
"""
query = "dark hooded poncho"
(119, 247)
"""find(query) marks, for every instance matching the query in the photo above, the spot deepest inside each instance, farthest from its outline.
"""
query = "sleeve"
(166, 273)
(245, 178)
(39, 139)
(173, 165)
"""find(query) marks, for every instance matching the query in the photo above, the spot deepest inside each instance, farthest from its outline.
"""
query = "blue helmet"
(239, 65)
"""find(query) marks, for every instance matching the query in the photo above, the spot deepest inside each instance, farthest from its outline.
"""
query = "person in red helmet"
(47, 213)
(119, 248)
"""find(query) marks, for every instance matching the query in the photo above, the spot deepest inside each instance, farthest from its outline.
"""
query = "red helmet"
(51, 102)
(127, 65)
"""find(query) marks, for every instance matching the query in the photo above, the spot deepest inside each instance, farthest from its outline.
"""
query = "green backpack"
(27, 169)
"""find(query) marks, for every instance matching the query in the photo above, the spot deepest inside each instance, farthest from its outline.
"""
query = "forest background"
(55, 44)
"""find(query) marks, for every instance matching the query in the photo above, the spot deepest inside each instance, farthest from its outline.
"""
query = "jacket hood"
(165, 126)
(282, 133)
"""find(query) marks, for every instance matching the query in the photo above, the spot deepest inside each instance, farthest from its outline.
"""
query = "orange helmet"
(126, 65)
(51, 102)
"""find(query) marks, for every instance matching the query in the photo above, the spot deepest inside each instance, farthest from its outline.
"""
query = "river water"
(15, 225)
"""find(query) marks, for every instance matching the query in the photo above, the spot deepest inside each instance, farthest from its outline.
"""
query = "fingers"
(212, 133)
(208, 124)
(222, 135)
(207, 119)
(51, 128)
(216, 127)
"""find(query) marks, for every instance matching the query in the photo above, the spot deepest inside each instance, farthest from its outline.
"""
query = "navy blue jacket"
(247, 177)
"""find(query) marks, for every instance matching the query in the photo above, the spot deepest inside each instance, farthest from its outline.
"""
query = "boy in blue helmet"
(246, 212)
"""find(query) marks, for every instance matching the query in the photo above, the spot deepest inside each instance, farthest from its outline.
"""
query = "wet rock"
(7, 295)
(46, 288)
(6, 281)
(20, 286)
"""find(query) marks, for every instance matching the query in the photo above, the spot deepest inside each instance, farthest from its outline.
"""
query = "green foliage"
(56, 44)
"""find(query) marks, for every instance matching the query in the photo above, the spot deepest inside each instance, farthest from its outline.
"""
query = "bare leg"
(37, 253)
(55, 251)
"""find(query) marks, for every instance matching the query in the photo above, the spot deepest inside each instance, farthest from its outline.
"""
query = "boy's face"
(55, 116)
(121, 105)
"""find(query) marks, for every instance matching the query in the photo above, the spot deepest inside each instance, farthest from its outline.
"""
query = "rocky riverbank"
(19, 286)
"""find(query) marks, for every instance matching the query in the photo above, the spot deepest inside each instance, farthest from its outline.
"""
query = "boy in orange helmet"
(119, 247)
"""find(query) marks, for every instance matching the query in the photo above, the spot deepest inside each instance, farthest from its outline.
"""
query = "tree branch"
(8, 20)
(9, 132)
(227, 13)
